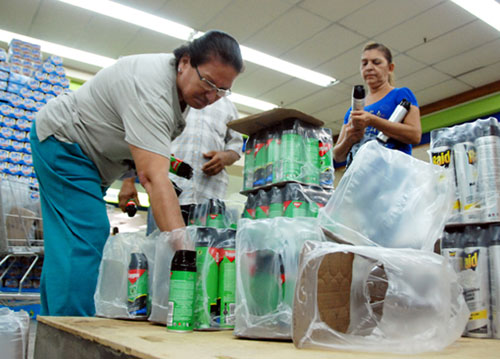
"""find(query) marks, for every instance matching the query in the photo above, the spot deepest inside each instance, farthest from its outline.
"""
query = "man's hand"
(217, 161)
(127, 192)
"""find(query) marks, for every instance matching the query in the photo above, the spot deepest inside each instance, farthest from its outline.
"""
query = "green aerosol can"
(227, 279)
(311, 168)
(181, 293)
(294, 202)
(137, 285)
(291, 151)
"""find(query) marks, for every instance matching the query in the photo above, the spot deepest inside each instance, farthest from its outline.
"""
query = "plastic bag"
(111, 294)
(267, 254)
(376, 299)
(14, 334)
(390, 199)
(166, 245)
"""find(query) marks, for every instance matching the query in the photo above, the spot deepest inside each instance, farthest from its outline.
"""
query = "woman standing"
(124, 118)
(362, 126)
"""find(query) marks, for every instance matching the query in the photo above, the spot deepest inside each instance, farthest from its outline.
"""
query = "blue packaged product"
(18, 79)
(60, 71)
(3, 85)
(45, 87)
(14, 88)
(12, 169)
(40, 76)
(64, 82)
(17, 146)
(53, 79)
(39, 105)
(26, 93)
(48, 68)
(4, 155)
(15, 59)
(5, 110)
(3, 55)
(3, 168)
(1, 120)
(18, 112)
(4, 96)
(23, 125)
(15, 100)
(27, 159)
(29, 116)
(26, 170)
(27, 60)
(38, 96)
(19, 135)
(5, 143)
(4, 66)
(37, 66)
(15, 157)
(28, 71)
(26, 148)
(15, 68)
(9, 122)
(28, 104)
(56, 90)
(7, 133)
(4, 76)
(55, 60)
(33, 84)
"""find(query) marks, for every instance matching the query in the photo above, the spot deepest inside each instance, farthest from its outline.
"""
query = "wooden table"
(80, 337)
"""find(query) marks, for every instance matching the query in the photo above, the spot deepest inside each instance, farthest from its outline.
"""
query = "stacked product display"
(474, 253)
(471, 152)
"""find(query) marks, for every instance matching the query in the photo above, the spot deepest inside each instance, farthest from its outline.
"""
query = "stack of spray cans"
(471, 151)
(474, 252)
(290, 151)
(212, 213)
(293, 200)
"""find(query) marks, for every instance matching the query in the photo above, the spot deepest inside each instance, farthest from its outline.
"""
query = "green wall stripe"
(461, 113)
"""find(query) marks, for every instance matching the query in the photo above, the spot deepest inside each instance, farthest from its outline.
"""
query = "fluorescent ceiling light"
(101, 61)
(170, 28)
(486, 10)
(59, 50)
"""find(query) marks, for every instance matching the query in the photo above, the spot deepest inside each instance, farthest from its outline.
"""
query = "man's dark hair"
(212, 45)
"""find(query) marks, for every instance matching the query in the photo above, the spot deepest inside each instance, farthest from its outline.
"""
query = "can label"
(494, 253)
(311, 169)
(464, 154)
(227, 287)
(293, 209)
(455, 257)
(443, 156)
(273, 147)
(488, 155)
(262, 212)
(260, 158)
(326, 164)
(180, 301)
(215, 220)
(291, 164)
(275, 210)
(475, 281)
(249, 166)
(137, 292)
(207, 264)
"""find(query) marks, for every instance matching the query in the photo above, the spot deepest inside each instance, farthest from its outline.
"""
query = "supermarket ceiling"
(439, 49)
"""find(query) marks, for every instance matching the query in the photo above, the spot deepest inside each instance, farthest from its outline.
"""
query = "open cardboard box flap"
(254, 123)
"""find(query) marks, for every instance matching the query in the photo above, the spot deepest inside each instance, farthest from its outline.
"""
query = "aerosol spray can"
(326, 158)
(207, 264)
(249, 169)
(441, 154)
(137, 288)
(475, 281)
(261, 205)
(249, 211)
(488, 166)
(181, 292)
(464, 156)
(494, 253)
(397, 116)
(310, 171)
(131, 208)
(294, 204)
(452, 247)
(260, 159)
(291, 152)
(358, 98)
(273, 155)
(276, 202)
(227, 279)
(180, 168)
(216, 213)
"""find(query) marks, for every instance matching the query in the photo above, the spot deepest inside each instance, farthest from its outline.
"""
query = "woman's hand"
(352, 134)
(360, 119)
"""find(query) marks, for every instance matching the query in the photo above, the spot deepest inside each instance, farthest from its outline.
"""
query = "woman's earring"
(179, 70)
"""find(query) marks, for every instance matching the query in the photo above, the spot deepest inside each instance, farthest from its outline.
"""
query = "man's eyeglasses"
(212, 87)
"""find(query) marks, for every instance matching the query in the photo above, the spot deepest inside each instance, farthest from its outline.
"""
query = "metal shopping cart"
(21, 243)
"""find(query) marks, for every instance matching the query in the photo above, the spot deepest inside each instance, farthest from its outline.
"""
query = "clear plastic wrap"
(267, 254)
(111, 292)
(215, 213)
(471, 152)
(290, 151)
(376, 299)
(14, 334)
(390, 199)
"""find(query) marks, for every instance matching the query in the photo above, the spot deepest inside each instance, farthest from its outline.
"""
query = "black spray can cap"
(358, 92)
(184, 260)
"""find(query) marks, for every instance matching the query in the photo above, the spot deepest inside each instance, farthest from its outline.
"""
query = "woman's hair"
(387, 54)
(213, 44)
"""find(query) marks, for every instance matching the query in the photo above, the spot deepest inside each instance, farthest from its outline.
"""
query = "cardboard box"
(254, 123)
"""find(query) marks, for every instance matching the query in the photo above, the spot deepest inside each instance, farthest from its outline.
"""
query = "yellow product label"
(471, 260)
(442, 158)
(482, 314)
(456, 205)
(472, 205)
(471, 156)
